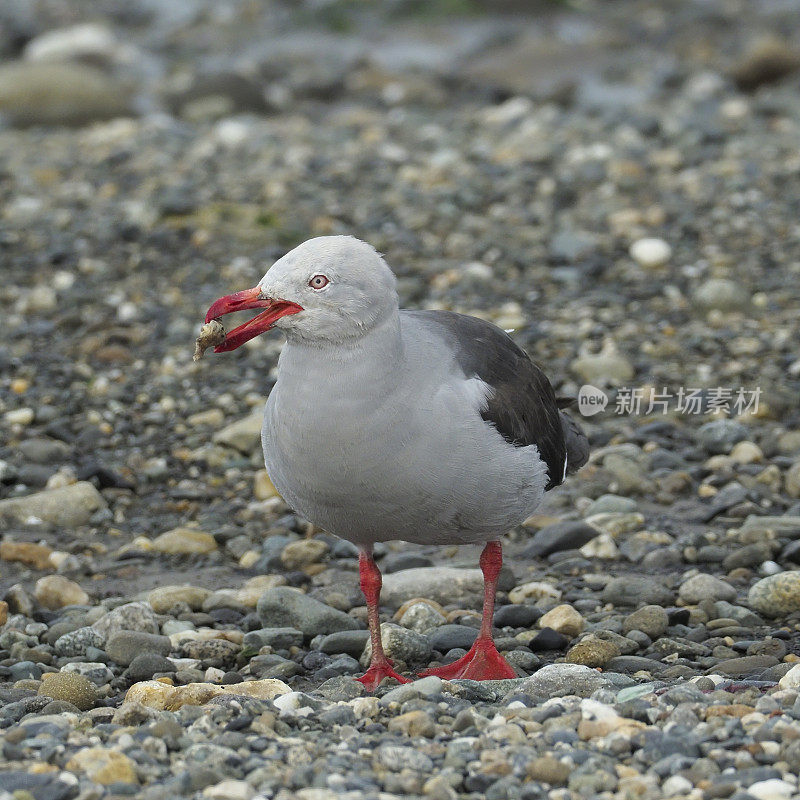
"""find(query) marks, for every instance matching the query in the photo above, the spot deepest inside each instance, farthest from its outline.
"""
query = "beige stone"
(185, 541)
(67, 507)
(103, 766)
(56, 591)
(592, 652)
(564, 619)
(243, 435)
(534, 590)
(69, 686)
(3, 612)
(413, 723)
(297, 555)
(163, 697)
(28, 553)
(263, 488)
(165, 597)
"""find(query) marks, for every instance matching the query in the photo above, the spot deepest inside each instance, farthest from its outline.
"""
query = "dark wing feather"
(523, 406)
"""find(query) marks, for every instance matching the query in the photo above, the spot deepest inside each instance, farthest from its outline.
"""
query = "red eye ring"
(318, 282)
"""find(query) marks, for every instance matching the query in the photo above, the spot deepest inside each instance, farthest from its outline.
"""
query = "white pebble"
(20, 416)
(676, 784)
(650, 253)
(772, 789)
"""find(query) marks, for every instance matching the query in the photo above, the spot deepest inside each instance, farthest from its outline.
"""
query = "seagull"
(386, 424)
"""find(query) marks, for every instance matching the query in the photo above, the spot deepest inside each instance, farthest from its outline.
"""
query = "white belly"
(436, 475)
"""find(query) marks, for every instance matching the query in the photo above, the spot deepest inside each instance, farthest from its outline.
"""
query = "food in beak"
(211, 335)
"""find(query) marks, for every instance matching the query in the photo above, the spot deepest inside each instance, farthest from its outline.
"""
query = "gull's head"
(331, 289)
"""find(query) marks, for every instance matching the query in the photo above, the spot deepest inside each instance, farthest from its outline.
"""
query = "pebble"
(559, 680)
(124, 646)
(162, 696)
(592, 651)
(702, 587)
(185, 541)
(284, 607)
(568, 535)
(144, 665)
(650, 619)
(33, 555)
(633, 590)
(720, 435)
(67, 507)
(78, 642)
(69, 686)
(56, 591)
(243, 435)
(533, 590)
(135, 616)
(461, 587)
(563, 619)
(721, 294)
(297, 555)
(776, 595)
(164, 598)
(263, 488)
(103, 766)
(650, 252)
(421, 617)
(400, 645)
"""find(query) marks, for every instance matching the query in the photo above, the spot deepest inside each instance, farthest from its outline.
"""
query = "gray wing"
(523, 406)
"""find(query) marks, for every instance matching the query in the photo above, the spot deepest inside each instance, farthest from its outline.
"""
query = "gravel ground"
(617, 183)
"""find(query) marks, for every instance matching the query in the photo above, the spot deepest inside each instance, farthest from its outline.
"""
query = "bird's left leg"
(379, 666)
(482, 662)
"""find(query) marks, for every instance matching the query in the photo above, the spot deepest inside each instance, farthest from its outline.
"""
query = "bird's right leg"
(379, 666)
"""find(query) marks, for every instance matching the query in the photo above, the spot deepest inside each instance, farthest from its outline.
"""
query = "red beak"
(241, 301)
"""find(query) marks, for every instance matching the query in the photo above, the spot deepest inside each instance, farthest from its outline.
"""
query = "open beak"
(241, 301)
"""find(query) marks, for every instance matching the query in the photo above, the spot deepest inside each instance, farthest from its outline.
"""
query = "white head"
(327, 290)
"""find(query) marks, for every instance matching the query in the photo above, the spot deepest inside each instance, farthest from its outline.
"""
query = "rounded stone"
(297, 555)
(652, 620)
(56, 591)
(563, 619)
(145, 665)
(592, 652)
(634, 590)
(124, 646)
(650, 252)
(548, 769)
(103, 766)
(185, 541)
(702, 587)
(721, 294)
(776, 595)
(163, 598)
(71, 687)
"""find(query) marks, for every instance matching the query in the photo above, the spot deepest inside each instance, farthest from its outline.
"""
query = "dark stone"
(41, 787)
(448, 637)
(744, 666)
(395, 562)
(351, 643)
(568, 535)
(631, 664)
(516, 616)
(145, 665)
(548, 639)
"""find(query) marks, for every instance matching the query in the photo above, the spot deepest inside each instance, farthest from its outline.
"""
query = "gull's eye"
(318, 282)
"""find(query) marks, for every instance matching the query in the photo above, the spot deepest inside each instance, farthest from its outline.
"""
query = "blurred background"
(616, 183)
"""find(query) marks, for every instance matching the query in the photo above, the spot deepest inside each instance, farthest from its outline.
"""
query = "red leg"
(482, 662)
(379, 667)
